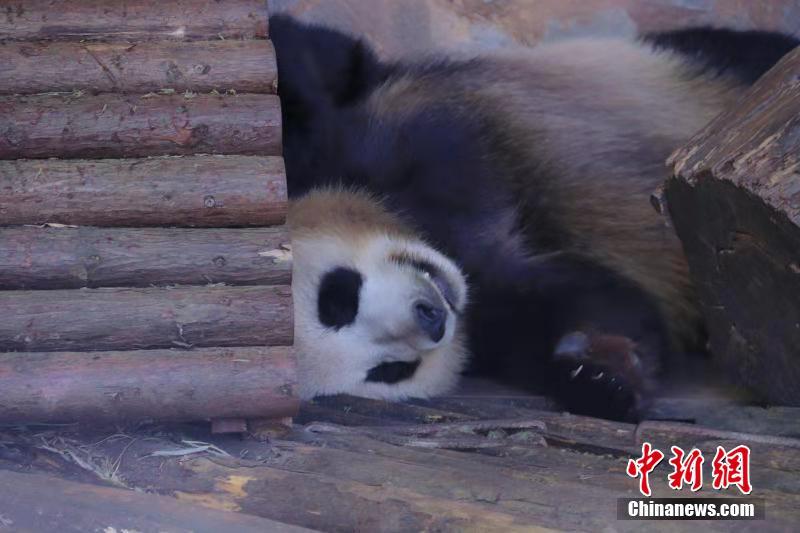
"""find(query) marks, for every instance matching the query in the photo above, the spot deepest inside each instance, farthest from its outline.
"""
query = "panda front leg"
(574, 330)
(608, 339)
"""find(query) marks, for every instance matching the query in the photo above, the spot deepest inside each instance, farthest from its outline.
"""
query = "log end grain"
(734, 200)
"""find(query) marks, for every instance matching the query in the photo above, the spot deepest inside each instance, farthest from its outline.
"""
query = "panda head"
(376, 315)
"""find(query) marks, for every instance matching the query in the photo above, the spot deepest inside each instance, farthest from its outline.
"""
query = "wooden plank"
(76, 257)
(47, 504)
(115, 125)
(483, 436)
(561, 429)
(355, 411)
(734, 199)
(171, 385)
(124, 319)
(546, 465)
(211, 191)
(133, 20)
(202, 66)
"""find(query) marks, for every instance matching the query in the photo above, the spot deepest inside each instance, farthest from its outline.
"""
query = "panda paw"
(602, 375)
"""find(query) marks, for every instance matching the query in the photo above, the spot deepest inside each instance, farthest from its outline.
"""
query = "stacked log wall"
(145, 266)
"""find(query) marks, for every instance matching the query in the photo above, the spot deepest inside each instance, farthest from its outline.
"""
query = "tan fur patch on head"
(345, 209)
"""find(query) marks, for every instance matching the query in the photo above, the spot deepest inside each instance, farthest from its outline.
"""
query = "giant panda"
(378, 312)
(532, 169)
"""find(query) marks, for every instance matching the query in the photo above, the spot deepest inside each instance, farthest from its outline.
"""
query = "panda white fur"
(378, 312)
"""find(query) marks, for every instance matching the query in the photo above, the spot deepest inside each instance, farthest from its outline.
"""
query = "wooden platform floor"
(484, 459)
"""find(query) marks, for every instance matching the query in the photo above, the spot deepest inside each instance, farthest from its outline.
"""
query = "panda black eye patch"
(337, 303)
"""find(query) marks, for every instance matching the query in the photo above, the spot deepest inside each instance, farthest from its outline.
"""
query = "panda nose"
(431, 319)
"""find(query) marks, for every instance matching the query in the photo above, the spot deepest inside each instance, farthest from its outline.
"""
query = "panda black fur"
(378, 313)
(532, 169)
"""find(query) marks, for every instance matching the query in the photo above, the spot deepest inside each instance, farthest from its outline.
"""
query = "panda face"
(380, 317)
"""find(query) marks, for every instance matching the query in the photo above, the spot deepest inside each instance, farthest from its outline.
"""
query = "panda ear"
(337, 301)
(320, 67)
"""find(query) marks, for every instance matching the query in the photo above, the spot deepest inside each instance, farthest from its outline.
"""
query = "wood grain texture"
(114, 125)
(202, 66)
(168, 385)
(735, 203)
(211, 191)
(37, 502)
(126, 319)
(71, 258)
(133, 20)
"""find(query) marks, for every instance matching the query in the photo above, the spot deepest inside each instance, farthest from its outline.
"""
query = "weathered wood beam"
(36, 502)
(135, 385)
(116, 125)
(133, 20)
(735, 203)
(160, 191)
(71, 258)
(203, 66)
(562, 429)
(125, 319)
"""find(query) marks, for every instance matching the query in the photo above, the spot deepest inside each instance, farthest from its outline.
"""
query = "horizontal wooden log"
(202, 66)
(734, 199)
(71, 258)
(126, 319)
(210, 191)
(170, 385)
(133, 20)
(115, 125)
(560, 429)
(468, 436)
(36, 502)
